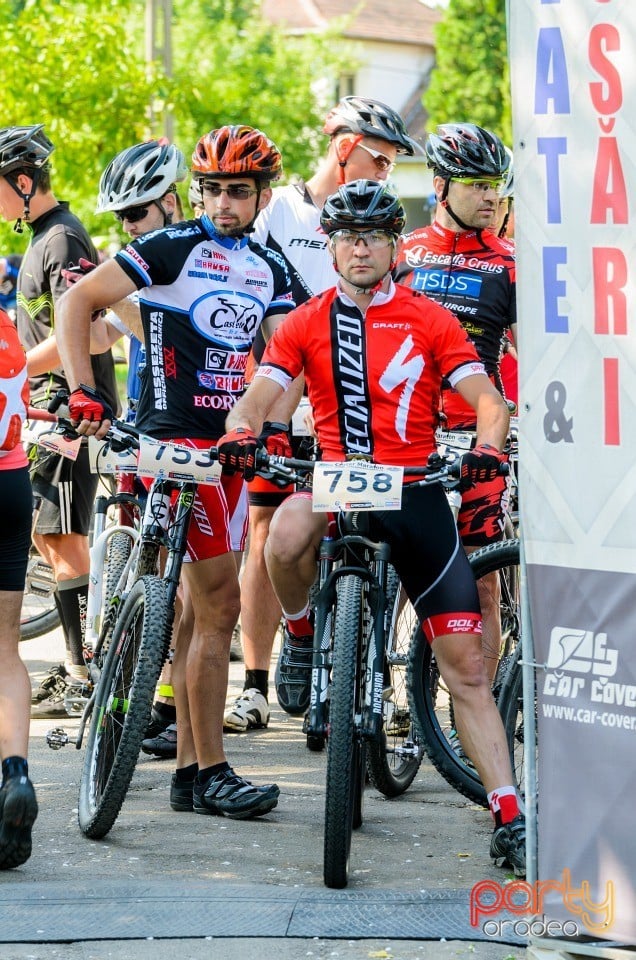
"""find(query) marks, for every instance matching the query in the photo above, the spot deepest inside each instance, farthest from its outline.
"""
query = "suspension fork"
(323, 629)
(372, 713)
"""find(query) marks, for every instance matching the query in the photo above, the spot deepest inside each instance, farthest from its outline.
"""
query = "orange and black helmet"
(237, 151)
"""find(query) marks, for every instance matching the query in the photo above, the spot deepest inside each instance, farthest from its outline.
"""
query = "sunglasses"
(235, 191)
(132, 214)
(481, 184)
(373, 239)
(382, 163)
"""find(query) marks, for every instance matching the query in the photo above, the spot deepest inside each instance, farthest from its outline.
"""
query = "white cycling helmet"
(140, 174)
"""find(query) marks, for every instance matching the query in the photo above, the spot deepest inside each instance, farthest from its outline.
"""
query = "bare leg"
(489, 598)
(15, 688)
(290, 552)
(260, 609)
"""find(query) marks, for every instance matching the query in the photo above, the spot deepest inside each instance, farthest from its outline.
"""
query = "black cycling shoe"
(18, 810)
(292, 678)
(508, 846)
(181, 794)
(164, 745)
(230, 795)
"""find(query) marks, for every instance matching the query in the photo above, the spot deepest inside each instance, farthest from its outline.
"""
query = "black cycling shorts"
(15, 527)
(64, 492)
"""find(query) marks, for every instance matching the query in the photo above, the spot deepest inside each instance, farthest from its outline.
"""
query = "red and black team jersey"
(472, 274)
(373, 379)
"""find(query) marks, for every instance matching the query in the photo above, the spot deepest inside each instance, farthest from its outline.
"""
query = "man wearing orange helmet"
(205, 288)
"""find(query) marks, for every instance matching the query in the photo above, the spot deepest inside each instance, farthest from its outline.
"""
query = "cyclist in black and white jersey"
(205, 289)
(365, 138)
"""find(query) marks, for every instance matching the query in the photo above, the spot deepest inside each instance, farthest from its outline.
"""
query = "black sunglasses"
(132, 214)
(235, 191)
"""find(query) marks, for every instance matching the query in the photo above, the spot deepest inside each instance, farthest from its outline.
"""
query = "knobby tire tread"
(341, 785)
(138, 650)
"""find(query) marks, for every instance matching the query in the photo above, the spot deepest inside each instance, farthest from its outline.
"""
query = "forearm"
(43, 357)
(73, 333)
(255, 406)
(493, 420)
(284, 406)
(130, 315)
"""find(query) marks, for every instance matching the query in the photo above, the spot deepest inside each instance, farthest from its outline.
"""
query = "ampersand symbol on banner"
(556, 426)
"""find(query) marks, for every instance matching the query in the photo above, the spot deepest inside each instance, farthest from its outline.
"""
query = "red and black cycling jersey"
(373, 379)
(202, 298)
(472, 273)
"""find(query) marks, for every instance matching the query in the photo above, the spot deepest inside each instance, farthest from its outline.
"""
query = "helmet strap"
(26, 197)
(167, 217)
(343, 152)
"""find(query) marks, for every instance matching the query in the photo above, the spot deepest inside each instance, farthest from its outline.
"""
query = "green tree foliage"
(79, 68)
(471, 80)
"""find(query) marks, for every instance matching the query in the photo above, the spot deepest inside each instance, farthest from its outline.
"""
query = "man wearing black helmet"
(204, 289)
(64, 490)
(459, 262)
(373, 354)
(365, 139)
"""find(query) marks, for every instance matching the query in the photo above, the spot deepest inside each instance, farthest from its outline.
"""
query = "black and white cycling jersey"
(202, 297)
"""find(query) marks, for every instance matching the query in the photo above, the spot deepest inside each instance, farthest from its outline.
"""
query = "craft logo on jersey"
(227, 317)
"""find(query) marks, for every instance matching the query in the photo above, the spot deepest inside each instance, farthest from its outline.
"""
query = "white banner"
(573, 65)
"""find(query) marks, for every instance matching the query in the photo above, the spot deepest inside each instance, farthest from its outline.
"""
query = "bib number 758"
(356, 485)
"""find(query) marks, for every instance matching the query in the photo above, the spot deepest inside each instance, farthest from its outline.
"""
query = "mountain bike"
(358, 703)
(130, 654)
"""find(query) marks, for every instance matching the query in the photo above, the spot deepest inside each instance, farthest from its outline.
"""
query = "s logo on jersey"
(227, 317)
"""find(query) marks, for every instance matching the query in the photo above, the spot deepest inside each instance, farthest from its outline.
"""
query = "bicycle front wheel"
(395, 759)
(38, 615)
(123, 702)
(345, 750)
(431, 703)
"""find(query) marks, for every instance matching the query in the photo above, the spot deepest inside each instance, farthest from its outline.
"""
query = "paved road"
(163, 884)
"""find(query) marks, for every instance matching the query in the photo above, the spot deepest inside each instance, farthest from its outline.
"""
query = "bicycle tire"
(431, 705)
(39, 614)
(129, 677)
(511, 710)
(345, 753)
(117, 555)
(393, 762)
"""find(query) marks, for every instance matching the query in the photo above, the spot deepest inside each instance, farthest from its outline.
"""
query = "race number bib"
(103, 459)
(171, 461)
(58, 443)
(356, 485)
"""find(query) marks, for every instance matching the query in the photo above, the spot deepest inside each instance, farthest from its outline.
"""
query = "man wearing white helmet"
(365, 139)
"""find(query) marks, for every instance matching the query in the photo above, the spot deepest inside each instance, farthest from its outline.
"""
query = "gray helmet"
(363, 203)
(195, 197)
(466, 150)
(23, 147)
(140, 174)
(371, 118)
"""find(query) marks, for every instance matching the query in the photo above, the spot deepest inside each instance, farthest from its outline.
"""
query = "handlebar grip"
(57, 400)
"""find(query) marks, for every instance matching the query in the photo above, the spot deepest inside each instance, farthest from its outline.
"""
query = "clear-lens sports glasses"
(382, 163)
(235, 191)
(374, 239)
(481, 184)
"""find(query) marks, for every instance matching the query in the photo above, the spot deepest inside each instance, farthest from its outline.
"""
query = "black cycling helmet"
(363, 203)
(466, 150)
(23, 149)
(140, 174)
(370, 118)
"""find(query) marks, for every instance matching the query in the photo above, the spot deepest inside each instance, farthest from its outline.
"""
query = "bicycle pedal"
(57, 738)
(76, 696)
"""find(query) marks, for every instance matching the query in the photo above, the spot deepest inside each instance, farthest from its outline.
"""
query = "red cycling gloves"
(237, 448)
(237, 452)
(480, 464)
(85, 403)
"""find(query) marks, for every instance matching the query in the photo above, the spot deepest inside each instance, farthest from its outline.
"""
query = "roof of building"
(410, 21)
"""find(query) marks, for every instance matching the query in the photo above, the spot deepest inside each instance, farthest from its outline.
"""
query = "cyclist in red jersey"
(459, 262)
(365, 139)
(373, 355)
(204, 289)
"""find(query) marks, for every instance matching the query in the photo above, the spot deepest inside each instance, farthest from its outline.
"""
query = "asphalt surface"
(164, 884)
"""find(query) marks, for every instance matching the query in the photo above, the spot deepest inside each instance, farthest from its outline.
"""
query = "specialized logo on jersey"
(350, 378)
(407, 370)
(445, 282)
(227, 317)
